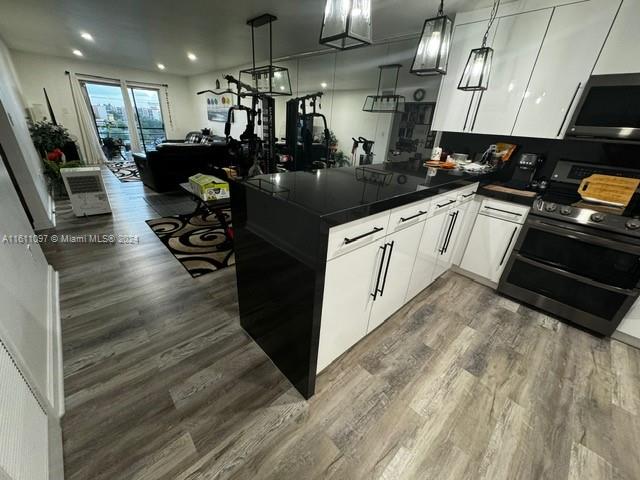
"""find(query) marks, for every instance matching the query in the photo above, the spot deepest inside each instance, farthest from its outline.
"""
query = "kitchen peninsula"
(323, 258)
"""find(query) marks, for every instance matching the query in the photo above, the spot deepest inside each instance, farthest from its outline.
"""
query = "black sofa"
(174, 162)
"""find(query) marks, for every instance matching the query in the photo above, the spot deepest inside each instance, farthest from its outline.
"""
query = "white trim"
(626, 338)
(55, 375)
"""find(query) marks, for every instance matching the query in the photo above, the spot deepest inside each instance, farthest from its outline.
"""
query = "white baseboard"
(55, 375)
(474, 277)
(626, 338)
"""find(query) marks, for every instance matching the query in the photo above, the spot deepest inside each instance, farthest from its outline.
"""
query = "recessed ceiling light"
(323, 84)
(192, 56)
(161, 66)
(87, 36)
(77, 53)
(281, 87)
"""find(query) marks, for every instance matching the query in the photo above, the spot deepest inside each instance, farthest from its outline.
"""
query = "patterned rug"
(197, 241)
(125, 171)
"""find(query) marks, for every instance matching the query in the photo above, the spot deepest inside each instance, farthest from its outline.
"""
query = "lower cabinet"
(401, 248)
(349, 286)
(492, 239)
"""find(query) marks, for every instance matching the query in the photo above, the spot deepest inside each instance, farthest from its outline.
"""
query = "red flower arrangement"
(55, 156)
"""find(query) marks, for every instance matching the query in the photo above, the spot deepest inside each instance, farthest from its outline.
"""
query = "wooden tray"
(608, 189)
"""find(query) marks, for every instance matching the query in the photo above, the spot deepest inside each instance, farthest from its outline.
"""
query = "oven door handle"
(574, 276)
(585, 237)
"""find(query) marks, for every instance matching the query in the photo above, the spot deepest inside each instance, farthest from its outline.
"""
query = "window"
(149, 121)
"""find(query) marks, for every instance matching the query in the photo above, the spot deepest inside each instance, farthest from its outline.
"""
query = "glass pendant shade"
(476, 72)
(346, 24)
(270, 79)
(384, 104)
(432, 53)
(386, 100)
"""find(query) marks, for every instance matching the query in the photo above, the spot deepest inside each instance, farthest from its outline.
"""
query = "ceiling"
(142, 33)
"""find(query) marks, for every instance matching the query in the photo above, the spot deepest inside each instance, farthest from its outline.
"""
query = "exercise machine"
(367, 148)
(301, 115)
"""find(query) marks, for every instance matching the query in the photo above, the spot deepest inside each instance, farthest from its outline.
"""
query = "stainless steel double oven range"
(574, 259)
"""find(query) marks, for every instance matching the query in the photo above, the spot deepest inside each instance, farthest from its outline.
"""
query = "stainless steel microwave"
(609, 108)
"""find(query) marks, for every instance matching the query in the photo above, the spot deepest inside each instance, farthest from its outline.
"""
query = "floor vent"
(23, 425)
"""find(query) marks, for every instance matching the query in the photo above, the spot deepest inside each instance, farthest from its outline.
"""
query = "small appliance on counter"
(578, 257)
(525, 171)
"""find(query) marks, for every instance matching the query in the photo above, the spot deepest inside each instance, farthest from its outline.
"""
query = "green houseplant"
(49, 139)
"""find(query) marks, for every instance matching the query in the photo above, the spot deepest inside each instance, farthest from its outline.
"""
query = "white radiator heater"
(23, 426)
(86, 190)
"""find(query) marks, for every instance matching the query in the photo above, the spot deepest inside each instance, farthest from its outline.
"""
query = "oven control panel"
(584, 216)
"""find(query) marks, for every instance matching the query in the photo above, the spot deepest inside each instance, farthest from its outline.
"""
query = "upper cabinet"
(618, 54)
(453, 107)
(571, 46)
(516, 46)
(542, 57)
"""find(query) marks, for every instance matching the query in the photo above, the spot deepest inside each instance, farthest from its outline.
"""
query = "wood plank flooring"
(161, 382)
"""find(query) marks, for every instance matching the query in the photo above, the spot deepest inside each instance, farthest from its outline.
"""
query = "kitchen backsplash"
(619, 154)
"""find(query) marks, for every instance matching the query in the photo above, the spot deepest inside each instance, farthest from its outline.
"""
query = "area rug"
(198, 241)
(125, 171)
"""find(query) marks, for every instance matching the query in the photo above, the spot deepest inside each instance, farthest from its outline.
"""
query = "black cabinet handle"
(403, 219)
(468, 195)
(446, 237)
(504, 211)
(445, 204)
(386, 270)
(453, 226)
(504, 255)
(377, 288)
(347, 241)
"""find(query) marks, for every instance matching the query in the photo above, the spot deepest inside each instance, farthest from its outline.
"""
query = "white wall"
(16, 142)
(23, 287)
(36, 72)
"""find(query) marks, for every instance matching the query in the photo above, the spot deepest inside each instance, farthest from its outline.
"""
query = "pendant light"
(475, 76)
(385, 101)
(346, 24)
(432, 52)
(269, 79)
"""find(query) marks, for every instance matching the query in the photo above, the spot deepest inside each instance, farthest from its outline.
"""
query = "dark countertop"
(340, 195)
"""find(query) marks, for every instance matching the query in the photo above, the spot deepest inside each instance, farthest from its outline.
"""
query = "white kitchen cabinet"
(492, 239)
(401, 250)
(450, 236)
(466, 226)
(349, 286)
(625, 34)
(516, 45)
(571, 46)
(453, 106)
(428, 253)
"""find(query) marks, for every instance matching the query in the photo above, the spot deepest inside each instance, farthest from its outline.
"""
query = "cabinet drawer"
(466, 194)
(353, 235)
(408, 215)
(443, 202)
(504, 210)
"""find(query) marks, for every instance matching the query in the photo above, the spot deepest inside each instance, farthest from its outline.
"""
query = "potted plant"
(49, 139)
(47, 136)
(111, 146)
(333, 140)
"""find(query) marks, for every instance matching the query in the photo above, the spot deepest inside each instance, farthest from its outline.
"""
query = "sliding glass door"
(110, 116)
(149, 121)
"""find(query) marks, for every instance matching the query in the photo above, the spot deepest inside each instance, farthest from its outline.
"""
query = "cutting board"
(608, 189)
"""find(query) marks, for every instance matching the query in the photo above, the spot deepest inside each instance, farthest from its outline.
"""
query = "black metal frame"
(438, 70)
(476, 88)
(399, 99)
(347, 34)
(269, 69)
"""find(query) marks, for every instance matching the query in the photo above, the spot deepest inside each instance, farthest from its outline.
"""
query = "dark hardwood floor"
(161, 382)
